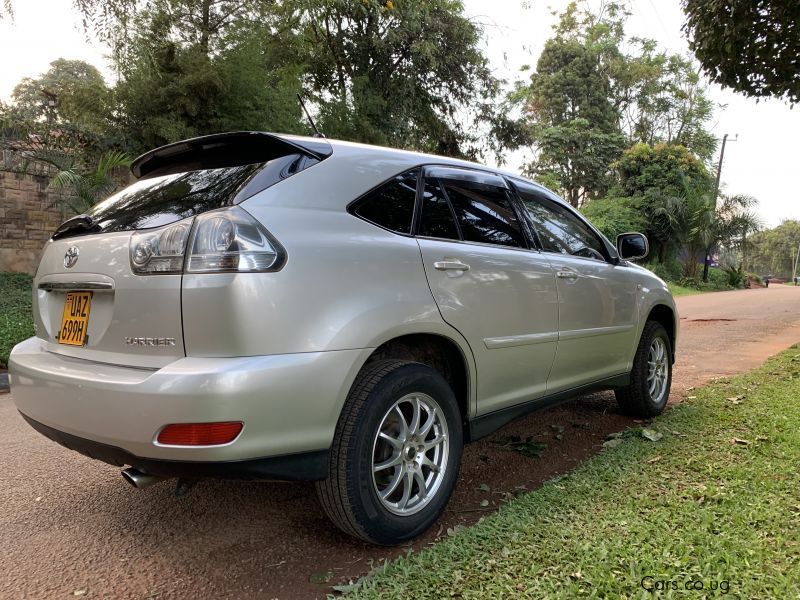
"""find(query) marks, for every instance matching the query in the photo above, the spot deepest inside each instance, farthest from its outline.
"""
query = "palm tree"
(88, 186)
(727, 222)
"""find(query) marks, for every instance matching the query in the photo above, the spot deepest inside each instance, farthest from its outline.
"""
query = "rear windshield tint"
(158, 201)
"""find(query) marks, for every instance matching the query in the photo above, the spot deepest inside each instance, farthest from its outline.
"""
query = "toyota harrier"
(263, 306)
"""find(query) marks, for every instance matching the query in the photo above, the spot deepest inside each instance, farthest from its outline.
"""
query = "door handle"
(450, 265)
(567, 274)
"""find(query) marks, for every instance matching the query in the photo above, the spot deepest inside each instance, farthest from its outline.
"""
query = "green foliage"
(71, 91)
(713, 500)
(669, 270)
(613, 216)
(751, 47)
(403, 73)
(569, 106)
(16, 318)
(596, 91)
(87, 186)
(669, 169)
(181, 78)
(775, 250)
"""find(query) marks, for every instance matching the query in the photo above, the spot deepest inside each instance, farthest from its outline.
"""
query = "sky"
(761, 163)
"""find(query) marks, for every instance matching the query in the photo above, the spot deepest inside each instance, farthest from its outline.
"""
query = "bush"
(671, 270)
(613, 216)
(16, 318)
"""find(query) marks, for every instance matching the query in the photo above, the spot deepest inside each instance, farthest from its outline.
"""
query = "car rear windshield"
(165, 199)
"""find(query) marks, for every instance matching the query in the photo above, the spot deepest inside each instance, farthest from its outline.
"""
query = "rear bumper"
(289, 403)
(304, 466)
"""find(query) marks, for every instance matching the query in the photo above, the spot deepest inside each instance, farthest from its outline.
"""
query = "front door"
(597, 299)
(488, 284)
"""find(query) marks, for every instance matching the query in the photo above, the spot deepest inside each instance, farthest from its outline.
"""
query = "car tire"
(379, 444)
(651, 375)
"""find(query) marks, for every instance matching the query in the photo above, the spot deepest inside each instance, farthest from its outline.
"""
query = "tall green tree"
(774, 250)
(398, 72)
(569, 108)
(70, 91)
(190, 67)
(750, 46)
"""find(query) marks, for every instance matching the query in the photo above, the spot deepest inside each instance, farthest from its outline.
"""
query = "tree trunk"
(204, 32)
(706, 260)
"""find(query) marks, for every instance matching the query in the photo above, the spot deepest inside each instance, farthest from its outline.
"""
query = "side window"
(392, 204)
(558, 229)
(436, 219)
(484, 213)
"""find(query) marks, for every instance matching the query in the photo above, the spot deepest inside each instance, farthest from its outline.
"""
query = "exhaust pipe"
(138, 479)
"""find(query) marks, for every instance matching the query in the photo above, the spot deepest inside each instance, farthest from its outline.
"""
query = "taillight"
(160, 250)
(199, 434)
(228, 240)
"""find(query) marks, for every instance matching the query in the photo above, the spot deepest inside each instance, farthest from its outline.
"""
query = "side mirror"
(632, 246)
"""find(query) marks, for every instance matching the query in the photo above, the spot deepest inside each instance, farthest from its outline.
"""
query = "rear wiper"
(78, 225)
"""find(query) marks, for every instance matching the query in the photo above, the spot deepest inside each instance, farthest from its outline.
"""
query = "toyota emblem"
(71, 257)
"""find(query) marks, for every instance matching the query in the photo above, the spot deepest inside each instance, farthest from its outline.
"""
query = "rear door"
(598, 309)
(488, 284)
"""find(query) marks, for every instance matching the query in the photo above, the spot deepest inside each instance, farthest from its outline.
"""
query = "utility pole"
(707, 261)
(794, 265)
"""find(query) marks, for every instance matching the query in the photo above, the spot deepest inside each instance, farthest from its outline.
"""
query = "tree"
(86, 184)
(573, 123)
(725, 222)
(673, 184)
(774, 250)
(183, 74)
(71, 91)
(613, 216)
(749, 46)
(662, 100)
(402, 73)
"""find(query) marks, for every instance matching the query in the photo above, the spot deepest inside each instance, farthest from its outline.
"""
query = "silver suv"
(273, 307)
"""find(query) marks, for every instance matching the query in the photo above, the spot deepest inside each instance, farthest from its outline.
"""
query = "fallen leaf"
(740, 442)
(79, 592)
(320, 577)
(484, 487)
(612, 443)
(691, 397)
(652, 434)
(451, 531)
(484, 503)
(655, 459)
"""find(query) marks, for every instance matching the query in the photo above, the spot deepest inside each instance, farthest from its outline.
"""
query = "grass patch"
(714, 505)
(679, 290)
(16, 317)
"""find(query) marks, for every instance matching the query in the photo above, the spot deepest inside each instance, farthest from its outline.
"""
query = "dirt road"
(70, 527)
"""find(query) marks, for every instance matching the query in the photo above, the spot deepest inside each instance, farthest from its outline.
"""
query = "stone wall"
(29, 213)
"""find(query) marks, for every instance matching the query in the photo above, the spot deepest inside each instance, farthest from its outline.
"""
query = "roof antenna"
(317, 132)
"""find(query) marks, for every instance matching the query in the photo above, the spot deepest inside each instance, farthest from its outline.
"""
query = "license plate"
(75, 320)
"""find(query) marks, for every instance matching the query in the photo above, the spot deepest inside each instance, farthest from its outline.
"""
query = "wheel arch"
(666, 315)
(439, 352)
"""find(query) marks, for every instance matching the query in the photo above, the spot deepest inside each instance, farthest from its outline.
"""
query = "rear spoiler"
(224, 150)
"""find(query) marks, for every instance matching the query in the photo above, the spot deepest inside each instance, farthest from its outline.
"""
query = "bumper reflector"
(200, 434)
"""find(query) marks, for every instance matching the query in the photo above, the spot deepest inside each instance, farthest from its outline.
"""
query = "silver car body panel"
(281, 350)
(284, 409)
(507, 304)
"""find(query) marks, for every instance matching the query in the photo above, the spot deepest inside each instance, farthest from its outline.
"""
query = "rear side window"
(484, 213)
(437, 219)
(391, 205)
